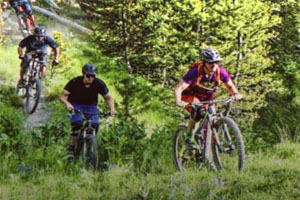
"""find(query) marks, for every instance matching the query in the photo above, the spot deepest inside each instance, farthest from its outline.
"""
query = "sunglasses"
(213, 62)
(90, 76)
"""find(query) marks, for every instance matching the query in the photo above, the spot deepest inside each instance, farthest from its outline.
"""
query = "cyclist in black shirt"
(37, 43)
(81, 93)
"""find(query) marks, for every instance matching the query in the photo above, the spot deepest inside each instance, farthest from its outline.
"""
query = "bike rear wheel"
(33, 95)
(228, 145)
(91, 153)
(23, 24)
(184, 158)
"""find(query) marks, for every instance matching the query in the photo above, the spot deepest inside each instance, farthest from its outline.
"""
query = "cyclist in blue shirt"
(81, 93)
(24, 4)
(37, 43)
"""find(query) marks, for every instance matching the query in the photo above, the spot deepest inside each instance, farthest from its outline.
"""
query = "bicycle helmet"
(89, 69)
(210, 55)
(39, 31)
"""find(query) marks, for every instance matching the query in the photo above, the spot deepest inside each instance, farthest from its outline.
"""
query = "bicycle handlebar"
(226, 101)
(78, 111)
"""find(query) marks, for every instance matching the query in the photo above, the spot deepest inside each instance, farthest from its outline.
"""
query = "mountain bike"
(218, 136)
(26, 25)
(32, 89)
(86, 146)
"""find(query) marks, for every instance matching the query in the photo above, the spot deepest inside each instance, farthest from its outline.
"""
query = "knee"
(76, 127)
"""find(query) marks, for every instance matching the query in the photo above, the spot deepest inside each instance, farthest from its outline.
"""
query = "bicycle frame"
(208, 121)
(84, 132)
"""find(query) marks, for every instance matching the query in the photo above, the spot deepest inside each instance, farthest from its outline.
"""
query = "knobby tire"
(33, 95)
(228, 134)
(91, 156)
(23, 24)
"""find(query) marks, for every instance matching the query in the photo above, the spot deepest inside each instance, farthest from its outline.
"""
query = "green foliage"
(11, 128)
(124, 142)
(8, 96)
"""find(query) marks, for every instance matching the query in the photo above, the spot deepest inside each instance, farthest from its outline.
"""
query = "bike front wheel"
(184, 158)
(91, 153)
(33, 95)
(228, 146)
(23, 24)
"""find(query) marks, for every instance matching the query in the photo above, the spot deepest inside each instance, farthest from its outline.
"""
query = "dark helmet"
(89, 69)
(39, 31)
(210, 55)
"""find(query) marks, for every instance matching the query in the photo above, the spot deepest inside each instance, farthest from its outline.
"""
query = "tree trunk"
(61, 20)
(239, 57)
(124, 35)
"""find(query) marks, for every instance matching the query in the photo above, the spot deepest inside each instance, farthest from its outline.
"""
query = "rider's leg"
(43, 56)
(94, 117)
(76, 124)
(75, 132)
(28, 11)
(24, 66)
(43, 70)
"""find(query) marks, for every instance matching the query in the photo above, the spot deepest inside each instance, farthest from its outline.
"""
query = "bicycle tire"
(91, 152)
(34, 91)
(23, 24)
(208, 149)
(229, 154)
(183, 157)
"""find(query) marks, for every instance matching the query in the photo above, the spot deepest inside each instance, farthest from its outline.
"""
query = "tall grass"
(265, 177)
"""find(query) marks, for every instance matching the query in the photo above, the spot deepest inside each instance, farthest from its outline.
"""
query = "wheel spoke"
(229, 151)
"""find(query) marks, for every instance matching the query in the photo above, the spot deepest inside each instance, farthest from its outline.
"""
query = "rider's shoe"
(70, 153)
(21, 83)
(190, 144)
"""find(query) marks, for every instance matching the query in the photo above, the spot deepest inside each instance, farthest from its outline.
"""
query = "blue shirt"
(19, 1)
(32, 44)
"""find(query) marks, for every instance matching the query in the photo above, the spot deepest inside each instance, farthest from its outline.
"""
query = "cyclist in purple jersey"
(200, 84)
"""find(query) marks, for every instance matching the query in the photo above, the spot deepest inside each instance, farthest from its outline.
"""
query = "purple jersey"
(192, 75)
(207, 80)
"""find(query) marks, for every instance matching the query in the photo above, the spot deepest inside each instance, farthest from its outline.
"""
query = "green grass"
(274, 174)
(10, 64)
(265, 177)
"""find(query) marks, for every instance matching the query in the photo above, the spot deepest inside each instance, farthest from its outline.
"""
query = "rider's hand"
(21, 56)
(4, 5)
(182, 104)
(70, 107)
(237, 96)
(55, 62)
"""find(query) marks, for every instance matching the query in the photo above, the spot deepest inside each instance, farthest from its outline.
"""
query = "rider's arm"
(56, 53)
(63, 97)
(182, 85)
(232, 90)
(110, 103)
(20, 51)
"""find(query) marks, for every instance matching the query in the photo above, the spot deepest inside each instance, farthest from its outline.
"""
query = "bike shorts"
(43, 57)
(24, 4)
(189, 96)
(93, 114)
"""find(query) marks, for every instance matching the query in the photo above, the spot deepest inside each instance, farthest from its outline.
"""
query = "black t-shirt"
(32, 44)
(79, 94)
